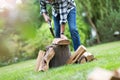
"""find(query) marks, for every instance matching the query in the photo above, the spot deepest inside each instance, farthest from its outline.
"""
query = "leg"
(57, 26)
(73, 29)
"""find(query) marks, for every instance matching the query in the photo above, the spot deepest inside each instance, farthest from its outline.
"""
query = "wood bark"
(62, 54)
(44, 64)
(86, 57)
(39, 59)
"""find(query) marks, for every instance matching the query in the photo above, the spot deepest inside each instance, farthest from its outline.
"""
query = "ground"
(107, 57)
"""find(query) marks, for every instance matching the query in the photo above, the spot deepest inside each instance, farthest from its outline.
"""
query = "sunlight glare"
(18, 2)
(9, 3)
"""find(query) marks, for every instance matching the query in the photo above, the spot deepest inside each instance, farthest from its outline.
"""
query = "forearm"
(62, 31)
(62, 28)
(46, 17)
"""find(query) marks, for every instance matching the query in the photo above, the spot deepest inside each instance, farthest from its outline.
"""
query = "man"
(63, 11)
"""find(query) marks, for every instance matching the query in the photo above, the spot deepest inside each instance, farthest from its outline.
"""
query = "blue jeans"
(71, 18)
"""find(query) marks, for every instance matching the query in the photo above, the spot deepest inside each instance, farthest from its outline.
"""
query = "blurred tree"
(98, 10)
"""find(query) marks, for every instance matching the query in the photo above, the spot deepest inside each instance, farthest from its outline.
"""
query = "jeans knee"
(74, 32)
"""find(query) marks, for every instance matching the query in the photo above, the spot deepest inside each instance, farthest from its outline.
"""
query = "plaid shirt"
(59, 7)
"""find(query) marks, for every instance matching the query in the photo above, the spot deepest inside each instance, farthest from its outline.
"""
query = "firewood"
(78, 53)
(100, 74)
(39, 58)
(44, 65)
(115, 78)
(60, 41)
(82, 59)
(116, 75)
(117, 72)
(86, 57)
(104, 74)
(89, 56)
(55, 55)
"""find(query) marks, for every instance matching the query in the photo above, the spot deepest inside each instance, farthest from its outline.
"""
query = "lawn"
(108, 57)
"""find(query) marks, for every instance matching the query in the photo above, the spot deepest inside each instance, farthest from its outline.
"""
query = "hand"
(63, 36)
(46, 17)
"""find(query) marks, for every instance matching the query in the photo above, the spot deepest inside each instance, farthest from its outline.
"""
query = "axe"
(51, 30)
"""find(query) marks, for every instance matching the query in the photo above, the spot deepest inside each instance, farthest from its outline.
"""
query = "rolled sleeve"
(43, 8)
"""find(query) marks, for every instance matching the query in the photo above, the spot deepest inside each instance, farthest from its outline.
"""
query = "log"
(86, 57)
(44, 64)
(60, 41)
(100, 74)
(55, 55)
(116, 75)
(39, 59)
(78, 53)
(115, 78)
(104, 75)
(62, 52)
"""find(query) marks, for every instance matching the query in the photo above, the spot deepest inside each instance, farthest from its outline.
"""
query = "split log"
(78, 53)
(116, 75)
(115, 78)
(39, 59)
(60, 41)
(44, 64)
(86, 57)
(100, 74)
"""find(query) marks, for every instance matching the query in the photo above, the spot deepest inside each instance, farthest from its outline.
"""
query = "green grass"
(108, 57)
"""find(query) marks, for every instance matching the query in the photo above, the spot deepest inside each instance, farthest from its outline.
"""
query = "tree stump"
(62, 52)
(55, 55)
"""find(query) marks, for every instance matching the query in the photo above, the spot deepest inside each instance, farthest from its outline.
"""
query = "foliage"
(98, 10)
(107, 57)
(16, 29)
(108, 26)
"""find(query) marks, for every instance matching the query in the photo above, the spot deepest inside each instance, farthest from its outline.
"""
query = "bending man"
(63, 11)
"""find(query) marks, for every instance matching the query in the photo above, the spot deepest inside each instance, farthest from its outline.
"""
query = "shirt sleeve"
(63, 12)
(43, 8)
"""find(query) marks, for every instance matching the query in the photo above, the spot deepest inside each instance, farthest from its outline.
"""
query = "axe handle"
(51, 30)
